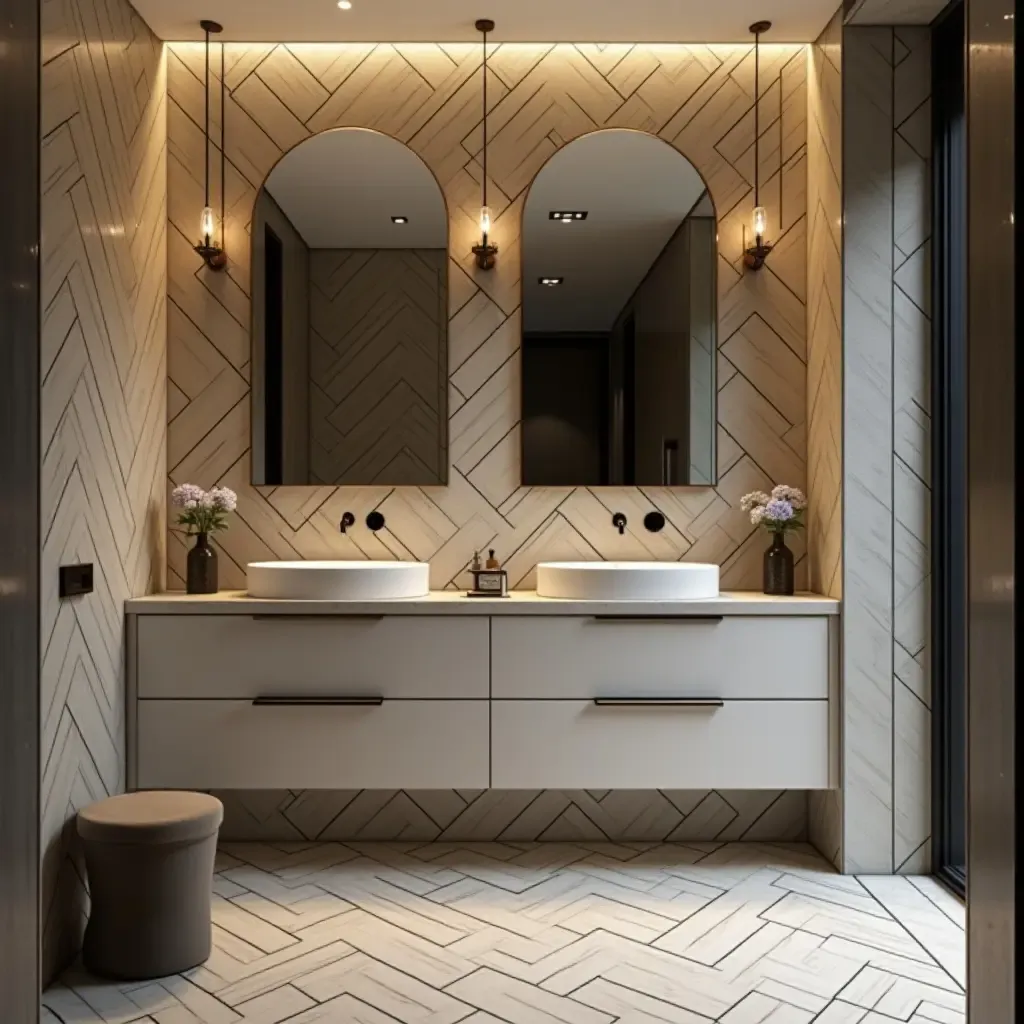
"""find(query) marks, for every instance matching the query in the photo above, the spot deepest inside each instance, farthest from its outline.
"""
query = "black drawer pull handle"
(658, 618)
(317, 702)
(302, 617)
(659, 702)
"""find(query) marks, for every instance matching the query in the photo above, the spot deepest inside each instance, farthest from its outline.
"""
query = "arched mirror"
(619, 317)
(350, 316)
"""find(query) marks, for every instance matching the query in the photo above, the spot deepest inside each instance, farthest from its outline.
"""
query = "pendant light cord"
(757, 119)
(223, 156)
(206, 133)
(485, 125)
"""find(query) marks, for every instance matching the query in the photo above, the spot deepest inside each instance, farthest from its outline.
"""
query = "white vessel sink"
(627, 581)
(338, 581)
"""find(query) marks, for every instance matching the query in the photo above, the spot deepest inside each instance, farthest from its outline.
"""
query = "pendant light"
(485, 252)
(214, 255)
(755, 256)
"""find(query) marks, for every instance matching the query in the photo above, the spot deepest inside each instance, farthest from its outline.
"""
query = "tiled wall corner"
(825, 359)
(103, 431)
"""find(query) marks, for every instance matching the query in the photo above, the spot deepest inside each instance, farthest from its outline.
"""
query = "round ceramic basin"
(627, 581)
(338, 581)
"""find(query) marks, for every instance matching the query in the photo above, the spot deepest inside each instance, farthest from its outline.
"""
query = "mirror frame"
(254, 392)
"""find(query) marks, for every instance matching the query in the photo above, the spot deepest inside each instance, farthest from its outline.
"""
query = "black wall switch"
(75, 579)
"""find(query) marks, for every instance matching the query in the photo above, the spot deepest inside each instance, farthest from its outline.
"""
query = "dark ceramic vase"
(778, 567)
(202, 567)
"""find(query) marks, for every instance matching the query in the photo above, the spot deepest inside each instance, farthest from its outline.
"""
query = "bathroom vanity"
(447, 692)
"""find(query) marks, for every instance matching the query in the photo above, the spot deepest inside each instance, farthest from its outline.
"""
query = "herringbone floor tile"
(554, 933)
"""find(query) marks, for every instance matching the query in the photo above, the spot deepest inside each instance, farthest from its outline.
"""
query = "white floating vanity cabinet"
(450, 693)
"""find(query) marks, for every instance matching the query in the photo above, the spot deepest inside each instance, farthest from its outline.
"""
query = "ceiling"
(608, 21)
(636, 190)
(341, 188)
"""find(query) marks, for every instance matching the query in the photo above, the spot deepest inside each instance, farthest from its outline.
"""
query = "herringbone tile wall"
(104, 268)
(378, 381)
(522, 815)
(699, 98)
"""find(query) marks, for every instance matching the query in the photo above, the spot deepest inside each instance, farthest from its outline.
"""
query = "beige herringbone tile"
(541, 932)
(102, 405)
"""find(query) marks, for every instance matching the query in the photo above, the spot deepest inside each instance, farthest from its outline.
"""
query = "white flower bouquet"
(203, 511)
(779, 512)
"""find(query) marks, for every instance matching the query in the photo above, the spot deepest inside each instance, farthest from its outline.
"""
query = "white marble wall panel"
(867, 449)
(103, 429)
(886, 495)
(911, 457)
(825, 359)
(699, 98)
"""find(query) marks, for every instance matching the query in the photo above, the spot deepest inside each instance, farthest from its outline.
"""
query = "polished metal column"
(991, 480)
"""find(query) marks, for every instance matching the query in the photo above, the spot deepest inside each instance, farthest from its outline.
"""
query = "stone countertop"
(452, 602)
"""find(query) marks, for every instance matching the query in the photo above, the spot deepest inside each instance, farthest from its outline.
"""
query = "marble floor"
(553, 933)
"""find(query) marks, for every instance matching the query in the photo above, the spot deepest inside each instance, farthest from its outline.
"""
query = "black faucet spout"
(619, 522)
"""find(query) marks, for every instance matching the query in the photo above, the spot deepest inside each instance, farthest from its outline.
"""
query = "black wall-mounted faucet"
(347, 520)
(376, 521)
(619, 522)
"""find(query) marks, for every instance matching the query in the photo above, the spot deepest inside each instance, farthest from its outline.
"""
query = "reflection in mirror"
(350, 316)
(619, 317)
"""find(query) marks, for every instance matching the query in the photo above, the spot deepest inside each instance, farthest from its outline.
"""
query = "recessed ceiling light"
(345, 5)
(550, 282)
(568, 216)
(399, 220)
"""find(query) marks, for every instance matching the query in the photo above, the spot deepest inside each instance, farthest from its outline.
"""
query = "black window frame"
(949, 448)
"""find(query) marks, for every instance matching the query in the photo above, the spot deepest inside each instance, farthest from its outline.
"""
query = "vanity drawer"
(748, 744)
(750, 657)
(236, 656)
(234, 744)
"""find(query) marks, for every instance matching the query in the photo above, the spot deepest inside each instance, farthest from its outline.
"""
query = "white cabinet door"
(236, 656)
(745, 744)
(234, 744)
(760, 658)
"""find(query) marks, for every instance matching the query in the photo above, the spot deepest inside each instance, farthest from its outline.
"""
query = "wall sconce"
(214, 255)
(485, 252)
(755, 256)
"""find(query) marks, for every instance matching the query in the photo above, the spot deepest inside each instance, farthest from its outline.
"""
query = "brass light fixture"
(214, 255)
(485, 252)
(755, 256)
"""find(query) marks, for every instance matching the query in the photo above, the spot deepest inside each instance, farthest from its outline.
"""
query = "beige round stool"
(149, 858)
